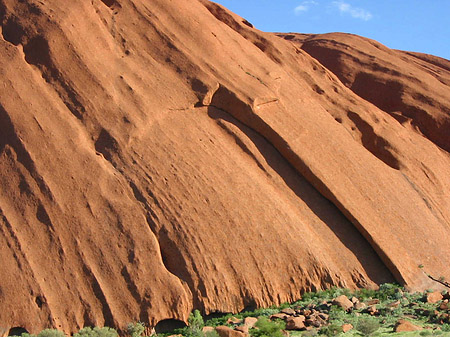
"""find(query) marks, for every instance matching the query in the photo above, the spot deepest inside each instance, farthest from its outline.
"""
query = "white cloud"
(304, 6)
(357, 13)
(300, 9)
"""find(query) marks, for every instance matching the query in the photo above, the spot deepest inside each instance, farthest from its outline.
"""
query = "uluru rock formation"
(159, 156)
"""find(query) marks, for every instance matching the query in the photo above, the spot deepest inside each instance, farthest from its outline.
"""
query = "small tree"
(196, 324)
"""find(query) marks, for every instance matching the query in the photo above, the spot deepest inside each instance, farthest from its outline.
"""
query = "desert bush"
(445, 327)
(268, 328)
(50, 333)
(95, 332)
(321, 295)
(45, 333)
(389, 291)
(135, 329)
(222, 320)
(367, 326)
(338, 314)
(213, 333)
(24, 334)
(413, 297)
(331, 330)
(311, 333)
(364, 294)
(264, 312)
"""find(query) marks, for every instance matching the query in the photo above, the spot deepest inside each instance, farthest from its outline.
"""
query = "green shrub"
(331, 330)
(95, 332)
(445, 327)
(50, 333)
(45, 333)
(389, 291)
(365, 294)
(321, 295)
(135, 329)
(222, 320)
(413, 297)
(263, 312)
(311, 333)
(213, 333)
(338, 314)
(268, 328)
(25, 334)
(367, 326)
(425, 333)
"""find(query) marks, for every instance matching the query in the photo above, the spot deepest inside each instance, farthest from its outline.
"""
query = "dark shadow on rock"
(168, 325)
(373, 142)
(106, 145)
(17, 331)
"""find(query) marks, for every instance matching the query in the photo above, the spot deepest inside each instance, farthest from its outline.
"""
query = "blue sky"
(413, 25)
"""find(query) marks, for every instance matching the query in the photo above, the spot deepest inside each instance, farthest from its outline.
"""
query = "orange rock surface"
(159, 156)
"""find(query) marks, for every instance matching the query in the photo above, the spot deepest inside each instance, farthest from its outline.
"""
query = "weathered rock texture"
(158, 156)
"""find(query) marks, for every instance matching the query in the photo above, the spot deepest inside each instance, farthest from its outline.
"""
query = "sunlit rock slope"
(159, 156)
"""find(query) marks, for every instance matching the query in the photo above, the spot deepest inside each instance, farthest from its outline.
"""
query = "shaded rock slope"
(159, 156)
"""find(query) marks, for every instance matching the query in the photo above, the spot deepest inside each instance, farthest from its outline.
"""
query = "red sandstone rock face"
(159, 156)
(411, 87)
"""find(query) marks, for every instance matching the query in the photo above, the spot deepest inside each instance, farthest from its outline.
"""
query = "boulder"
(360, 305)
(373, 301)
(314, 322)
(394, 304)
(343, 302)
(279, 316)
(295, 323)
(405, 326)
(242, 328)
(306, 312)
(250, 321)
(444, 306)
(234, 320)
(225, 331)
(346, 327)
(372, 310)
(434, 297)
(288, 311)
